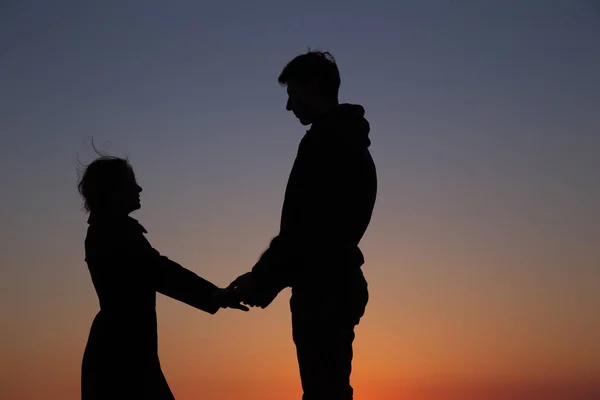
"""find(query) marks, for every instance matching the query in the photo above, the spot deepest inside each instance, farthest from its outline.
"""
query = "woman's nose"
(139, 188)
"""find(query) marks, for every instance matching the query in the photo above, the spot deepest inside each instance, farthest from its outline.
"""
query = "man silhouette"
(328, 204)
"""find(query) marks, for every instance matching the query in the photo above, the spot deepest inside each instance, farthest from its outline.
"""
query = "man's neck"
(327, 107)
(324, 109)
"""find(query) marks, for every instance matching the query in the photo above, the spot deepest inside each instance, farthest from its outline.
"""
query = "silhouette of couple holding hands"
(327, 207)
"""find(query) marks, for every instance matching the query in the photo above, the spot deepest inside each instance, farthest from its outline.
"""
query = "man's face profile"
(300, 102)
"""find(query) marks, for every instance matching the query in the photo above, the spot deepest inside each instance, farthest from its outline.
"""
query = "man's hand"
(227, 298)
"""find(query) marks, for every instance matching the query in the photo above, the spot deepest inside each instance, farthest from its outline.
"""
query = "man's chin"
(305, 121)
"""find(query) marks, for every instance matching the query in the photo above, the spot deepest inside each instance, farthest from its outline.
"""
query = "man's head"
(313, 81)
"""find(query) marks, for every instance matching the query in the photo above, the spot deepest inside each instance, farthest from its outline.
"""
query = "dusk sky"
(483, 255)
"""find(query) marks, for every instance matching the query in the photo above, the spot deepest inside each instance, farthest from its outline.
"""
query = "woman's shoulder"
(113, 233)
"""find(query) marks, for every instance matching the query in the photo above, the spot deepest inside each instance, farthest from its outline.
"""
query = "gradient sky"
(484, 251)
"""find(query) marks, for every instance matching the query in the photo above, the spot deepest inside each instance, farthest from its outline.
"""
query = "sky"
(482, 256)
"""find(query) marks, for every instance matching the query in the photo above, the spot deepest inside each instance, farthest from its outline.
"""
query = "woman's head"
(108, 184)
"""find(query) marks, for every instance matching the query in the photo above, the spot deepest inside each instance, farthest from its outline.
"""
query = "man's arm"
(318, 227)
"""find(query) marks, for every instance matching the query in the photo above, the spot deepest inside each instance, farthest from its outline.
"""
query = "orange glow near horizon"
(410, 344)
(473, 336)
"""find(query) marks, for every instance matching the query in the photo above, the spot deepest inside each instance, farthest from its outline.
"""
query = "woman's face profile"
(126, 197)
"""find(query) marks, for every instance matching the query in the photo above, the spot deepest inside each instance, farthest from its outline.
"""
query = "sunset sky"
(483, 256)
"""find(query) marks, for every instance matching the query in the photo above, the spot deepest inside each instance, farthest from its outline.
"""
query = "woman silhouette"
(121, 357)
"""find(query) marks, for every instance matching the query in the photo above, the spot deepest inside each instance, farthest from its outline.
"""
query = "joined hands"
(242, 292)
(227, 298)
(245, 288)
(253, 292)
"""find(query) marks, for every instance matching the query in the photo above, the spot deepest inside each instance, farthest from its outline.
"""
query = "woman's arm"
(179, 283)
(173, 280)
(170, 278)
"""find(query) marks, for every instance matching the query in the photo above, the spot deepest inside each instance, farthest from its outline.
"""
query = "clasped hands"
(240, 293)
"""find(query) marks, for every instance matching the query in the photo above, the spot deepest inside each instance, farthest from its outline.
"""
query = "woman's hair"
(99, 178)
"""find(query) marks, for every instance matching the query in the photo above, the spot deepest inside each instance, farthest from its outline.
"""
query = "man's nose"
(139, 188)
(288, 105)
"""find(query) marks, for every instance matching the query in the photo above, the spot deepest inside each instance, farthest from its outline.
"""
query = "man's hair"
(313, 66)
